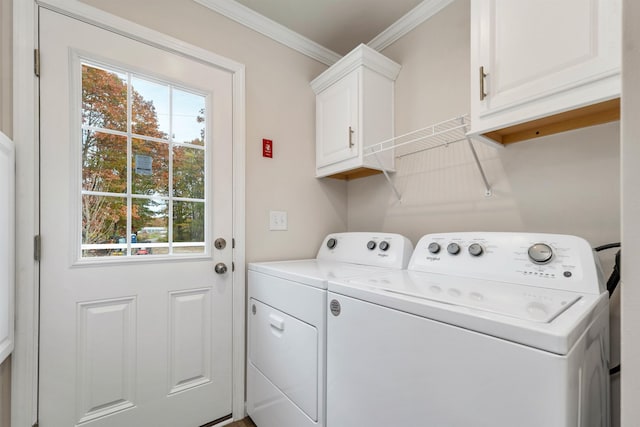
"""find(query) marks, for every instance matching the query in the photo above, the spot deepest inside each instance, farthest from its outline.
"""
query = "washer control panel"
(375, 249)
(544, 260)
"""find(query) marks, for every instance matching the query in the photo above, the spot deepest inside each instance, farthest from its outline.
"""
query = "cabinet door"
(533, 49)
(337, 121)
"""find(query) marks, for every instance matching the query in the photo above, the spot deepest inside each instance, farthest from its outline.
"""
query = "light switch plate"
(278, 220)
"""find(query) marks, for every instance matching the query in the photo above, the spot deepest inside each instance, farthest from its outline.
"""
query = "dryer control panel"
(376, 249)
(543, 260)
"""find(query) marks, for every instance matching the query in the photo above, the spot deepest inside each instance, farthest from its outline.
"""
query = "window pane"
(149, 108)
(149, 222)
(188, 222)
(104, 162)
(150, 168)
(188, 172)
(188, 117)
(138, 136)
(104, 225)
(104, 98)
(190, 249)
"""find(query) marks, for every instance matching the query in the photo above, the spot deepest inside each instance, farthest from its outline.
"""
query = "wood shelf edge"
(596, 114)
(354, 174)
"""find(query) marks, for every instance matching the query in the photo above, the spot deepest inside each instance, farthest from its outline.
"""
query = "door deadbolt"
(220, 268)
(220, 243)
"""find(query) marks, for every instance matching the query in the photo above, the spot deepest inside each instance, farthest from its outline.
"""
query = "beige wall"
(567, 183)
(630, 215)
(280, 107)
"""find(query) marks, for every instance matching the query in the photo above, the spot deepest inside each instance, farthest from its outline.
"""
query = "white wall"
(630, 215)
(6, 29)
(6, 127)
(280, 107)
(5, 393)
(566, 183)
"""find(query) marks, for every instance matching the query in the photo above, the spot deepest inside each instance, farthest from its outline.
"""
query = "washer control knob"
(434, 248)
(475, 249)
(331, 243)
(540, 253)
(371, 245)
(384, 245)
(453, 248)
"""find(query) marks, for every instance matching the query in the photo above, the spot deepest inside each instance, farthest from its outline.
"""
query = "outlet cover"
(278, 220)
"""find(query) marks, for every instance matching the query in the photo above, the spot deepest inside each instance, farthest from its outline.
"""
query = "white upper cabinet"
(354, 109)
(533, 59)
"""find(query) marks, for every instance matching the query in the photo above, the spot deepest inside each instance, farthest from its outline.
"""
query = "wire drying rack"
(428, 138)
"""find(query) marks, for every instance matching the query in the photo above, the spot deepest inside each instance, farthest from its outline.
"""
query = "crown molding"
(408, 22)
(281, 34)
(251, 19)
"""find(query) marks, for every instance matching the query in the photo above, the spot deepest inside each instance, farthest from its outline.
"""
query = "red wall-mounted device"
(267, 148)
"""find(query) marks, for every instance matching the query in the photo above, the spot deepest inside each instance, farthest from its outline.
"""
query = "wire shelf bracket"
(438, 135)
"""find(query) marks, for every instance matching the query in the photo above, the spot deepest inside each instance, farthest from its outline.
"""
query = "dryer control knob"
(371, 245)
(384, 245)
(434, 248)
(331, 243)
(475, 249)
(453, 248)
(540, 253)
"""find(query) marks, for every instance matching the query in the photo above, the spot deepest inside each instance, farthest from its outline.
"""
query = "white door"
(136, 184)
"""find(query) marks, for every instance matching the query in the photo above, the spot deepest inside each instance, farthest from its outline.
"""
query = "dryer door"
(285, 350)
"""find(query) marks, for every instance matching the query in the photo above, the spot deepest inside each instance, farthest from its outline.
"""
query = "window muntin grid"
(144, 151)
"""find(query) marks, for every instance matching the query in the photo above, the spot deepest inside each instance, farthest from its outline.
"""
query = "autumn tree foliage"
(105, 159)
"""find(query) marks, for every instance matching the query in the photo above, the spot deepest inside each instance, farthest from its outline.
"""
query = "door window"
(144, 156)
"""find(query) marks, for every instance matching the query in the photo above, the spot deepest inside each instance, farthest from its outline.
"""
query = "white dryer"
(287, 324)
(482, 330)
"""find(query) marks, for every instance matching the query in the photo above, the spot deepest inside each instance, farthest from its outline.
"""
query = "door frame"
(24, 384)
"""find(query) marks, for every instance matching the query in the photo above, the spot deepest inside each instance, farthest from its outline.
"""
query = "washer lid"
(518, 301)
(547, 319)
(313, 272)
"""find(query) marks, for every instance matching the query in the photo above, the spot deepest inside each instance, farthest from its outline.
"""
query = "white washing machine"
(482, 330)
(287, 324)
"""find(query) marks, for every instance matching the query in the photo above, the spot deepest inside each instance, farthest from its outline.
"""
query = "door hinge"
(36, 247)
(233, 266)
(233, 243)
(36, 62)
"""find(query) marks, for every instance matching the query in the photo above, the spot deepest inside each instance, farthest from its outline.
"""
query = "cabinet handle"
(483, 75)
(350, 137)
